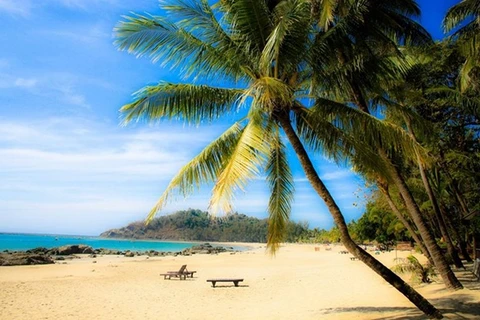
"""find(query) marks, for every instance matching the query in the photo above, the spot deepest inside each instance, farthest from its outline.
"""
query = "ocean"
(22, 242)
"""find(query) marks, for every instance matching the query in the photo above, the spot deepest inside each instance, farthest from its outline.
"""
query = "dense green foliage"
(197, 225)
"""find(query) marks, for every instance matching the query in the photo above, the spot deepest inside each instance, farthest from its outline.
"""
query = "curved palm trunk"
(440, 218)
(449, 278)
(384, 189)
(347, 241)
(456, 234)
(439, 214)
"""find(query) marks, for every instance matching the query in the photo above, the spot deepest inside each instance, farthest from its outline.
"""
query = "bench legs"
(235, 282)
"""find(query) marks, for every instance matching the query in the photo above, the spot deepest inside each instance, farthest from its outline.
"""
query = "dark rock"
(72, 249)
(39, 250)
(23, 258)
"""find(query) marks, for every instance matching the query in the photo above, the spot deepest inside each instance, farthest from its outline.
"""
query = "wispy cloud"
(26, 8)
(25, 83)
(83, 33)
(62, 87)
(21, 8)
(56, 166)
(62, 165)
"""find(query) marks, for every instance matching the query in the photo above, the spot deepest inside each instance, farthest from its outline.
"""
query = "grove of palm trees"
(359, 81)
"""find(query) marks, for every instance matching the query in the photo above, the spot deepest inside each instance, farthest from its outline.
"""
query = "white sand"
(299, 283)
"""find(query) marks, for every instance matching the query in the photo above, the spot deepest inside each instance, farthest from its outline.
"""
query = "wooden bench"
(235, 281)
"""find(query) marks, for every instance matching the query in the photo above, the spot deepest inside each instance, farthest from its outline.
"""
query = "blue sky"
(68, 167)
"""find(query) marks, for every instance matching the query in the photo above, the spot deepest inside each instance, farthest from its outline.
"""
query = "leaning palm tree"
(267, 51)
(366, 67)
(465, 17)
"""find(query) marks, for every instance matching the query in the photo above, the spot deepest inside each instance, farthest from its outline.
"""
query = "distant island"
(197, 225)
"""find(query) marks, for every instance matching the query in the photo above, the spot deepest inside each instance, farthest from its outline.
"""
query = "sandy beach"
(298, 283)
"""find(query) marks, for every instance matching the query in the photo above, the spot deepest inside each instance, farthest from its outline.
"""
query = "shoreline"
(22, 242)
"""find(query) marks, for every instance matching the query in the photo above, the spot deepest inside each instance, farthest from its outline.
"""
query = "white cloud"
(16, 7)
(25, 83)
(25, 8)
(56, 168)
(337, 175)
(62, 168)
(61, 86)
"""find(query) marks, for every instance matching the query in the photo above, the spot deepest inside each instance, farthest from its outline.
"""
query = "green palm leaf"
(165, 41)
(192, 103)
(280, 180)
(204, 168)
(459, 12)
(288, 38)
(242, 164)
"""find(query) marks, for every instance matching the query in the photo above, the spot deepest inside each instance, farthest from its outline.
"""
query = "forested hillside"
(196, 225)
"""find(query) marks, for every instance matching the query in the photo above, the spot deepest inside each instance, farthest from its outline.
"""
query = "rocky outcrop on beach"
(72, 249)
(23, 258)
(205, 248)
(45, 256)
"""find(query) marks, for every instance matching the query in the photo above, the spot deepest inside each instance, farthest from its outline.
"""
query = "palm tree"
(466, 17)
(269, 49)
(366, 66)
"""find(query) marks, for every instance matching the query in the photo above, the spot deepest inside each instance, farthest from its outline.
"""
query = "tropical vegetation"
(197, 225)
(361, 82)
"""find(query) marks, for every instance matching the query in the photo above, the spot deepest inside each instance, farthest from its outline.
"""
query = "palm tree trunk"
(456, 233)
(347, 241)
(384, 189)
(440, 219)
(449, 278)
(439, 214)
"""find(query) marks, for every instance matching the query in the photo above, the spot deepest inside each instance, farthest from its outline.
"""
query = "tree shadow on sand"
(459, 308)
(456, 307)
(406, 312)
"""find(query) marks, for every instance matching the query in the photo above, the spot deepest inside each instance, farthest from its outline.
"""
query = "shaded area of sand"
(299, 283)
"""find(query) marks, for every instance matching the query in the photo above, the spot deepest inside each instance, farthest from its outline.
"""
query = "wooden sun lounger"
(189, 274)
(183, 273)
(234, 280)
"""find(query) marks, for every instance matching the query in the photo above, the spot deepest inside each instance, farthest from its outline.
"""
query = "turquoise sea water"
(21, 242)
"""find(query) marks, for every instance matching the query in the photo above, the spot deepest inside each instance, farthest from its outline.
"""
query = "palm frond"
(250, 23)
(244, 162)
(162, 40)
(420, 273)
(327, 13)
(200, 19)
(459, 12)
(191, 103)
(445, 96)
(286, 44)
(374, 132)
(204, 168)
(280, 180)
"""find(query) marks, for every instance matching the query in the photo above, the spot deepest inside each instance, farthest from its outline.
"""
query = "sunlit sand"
(299, 283)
